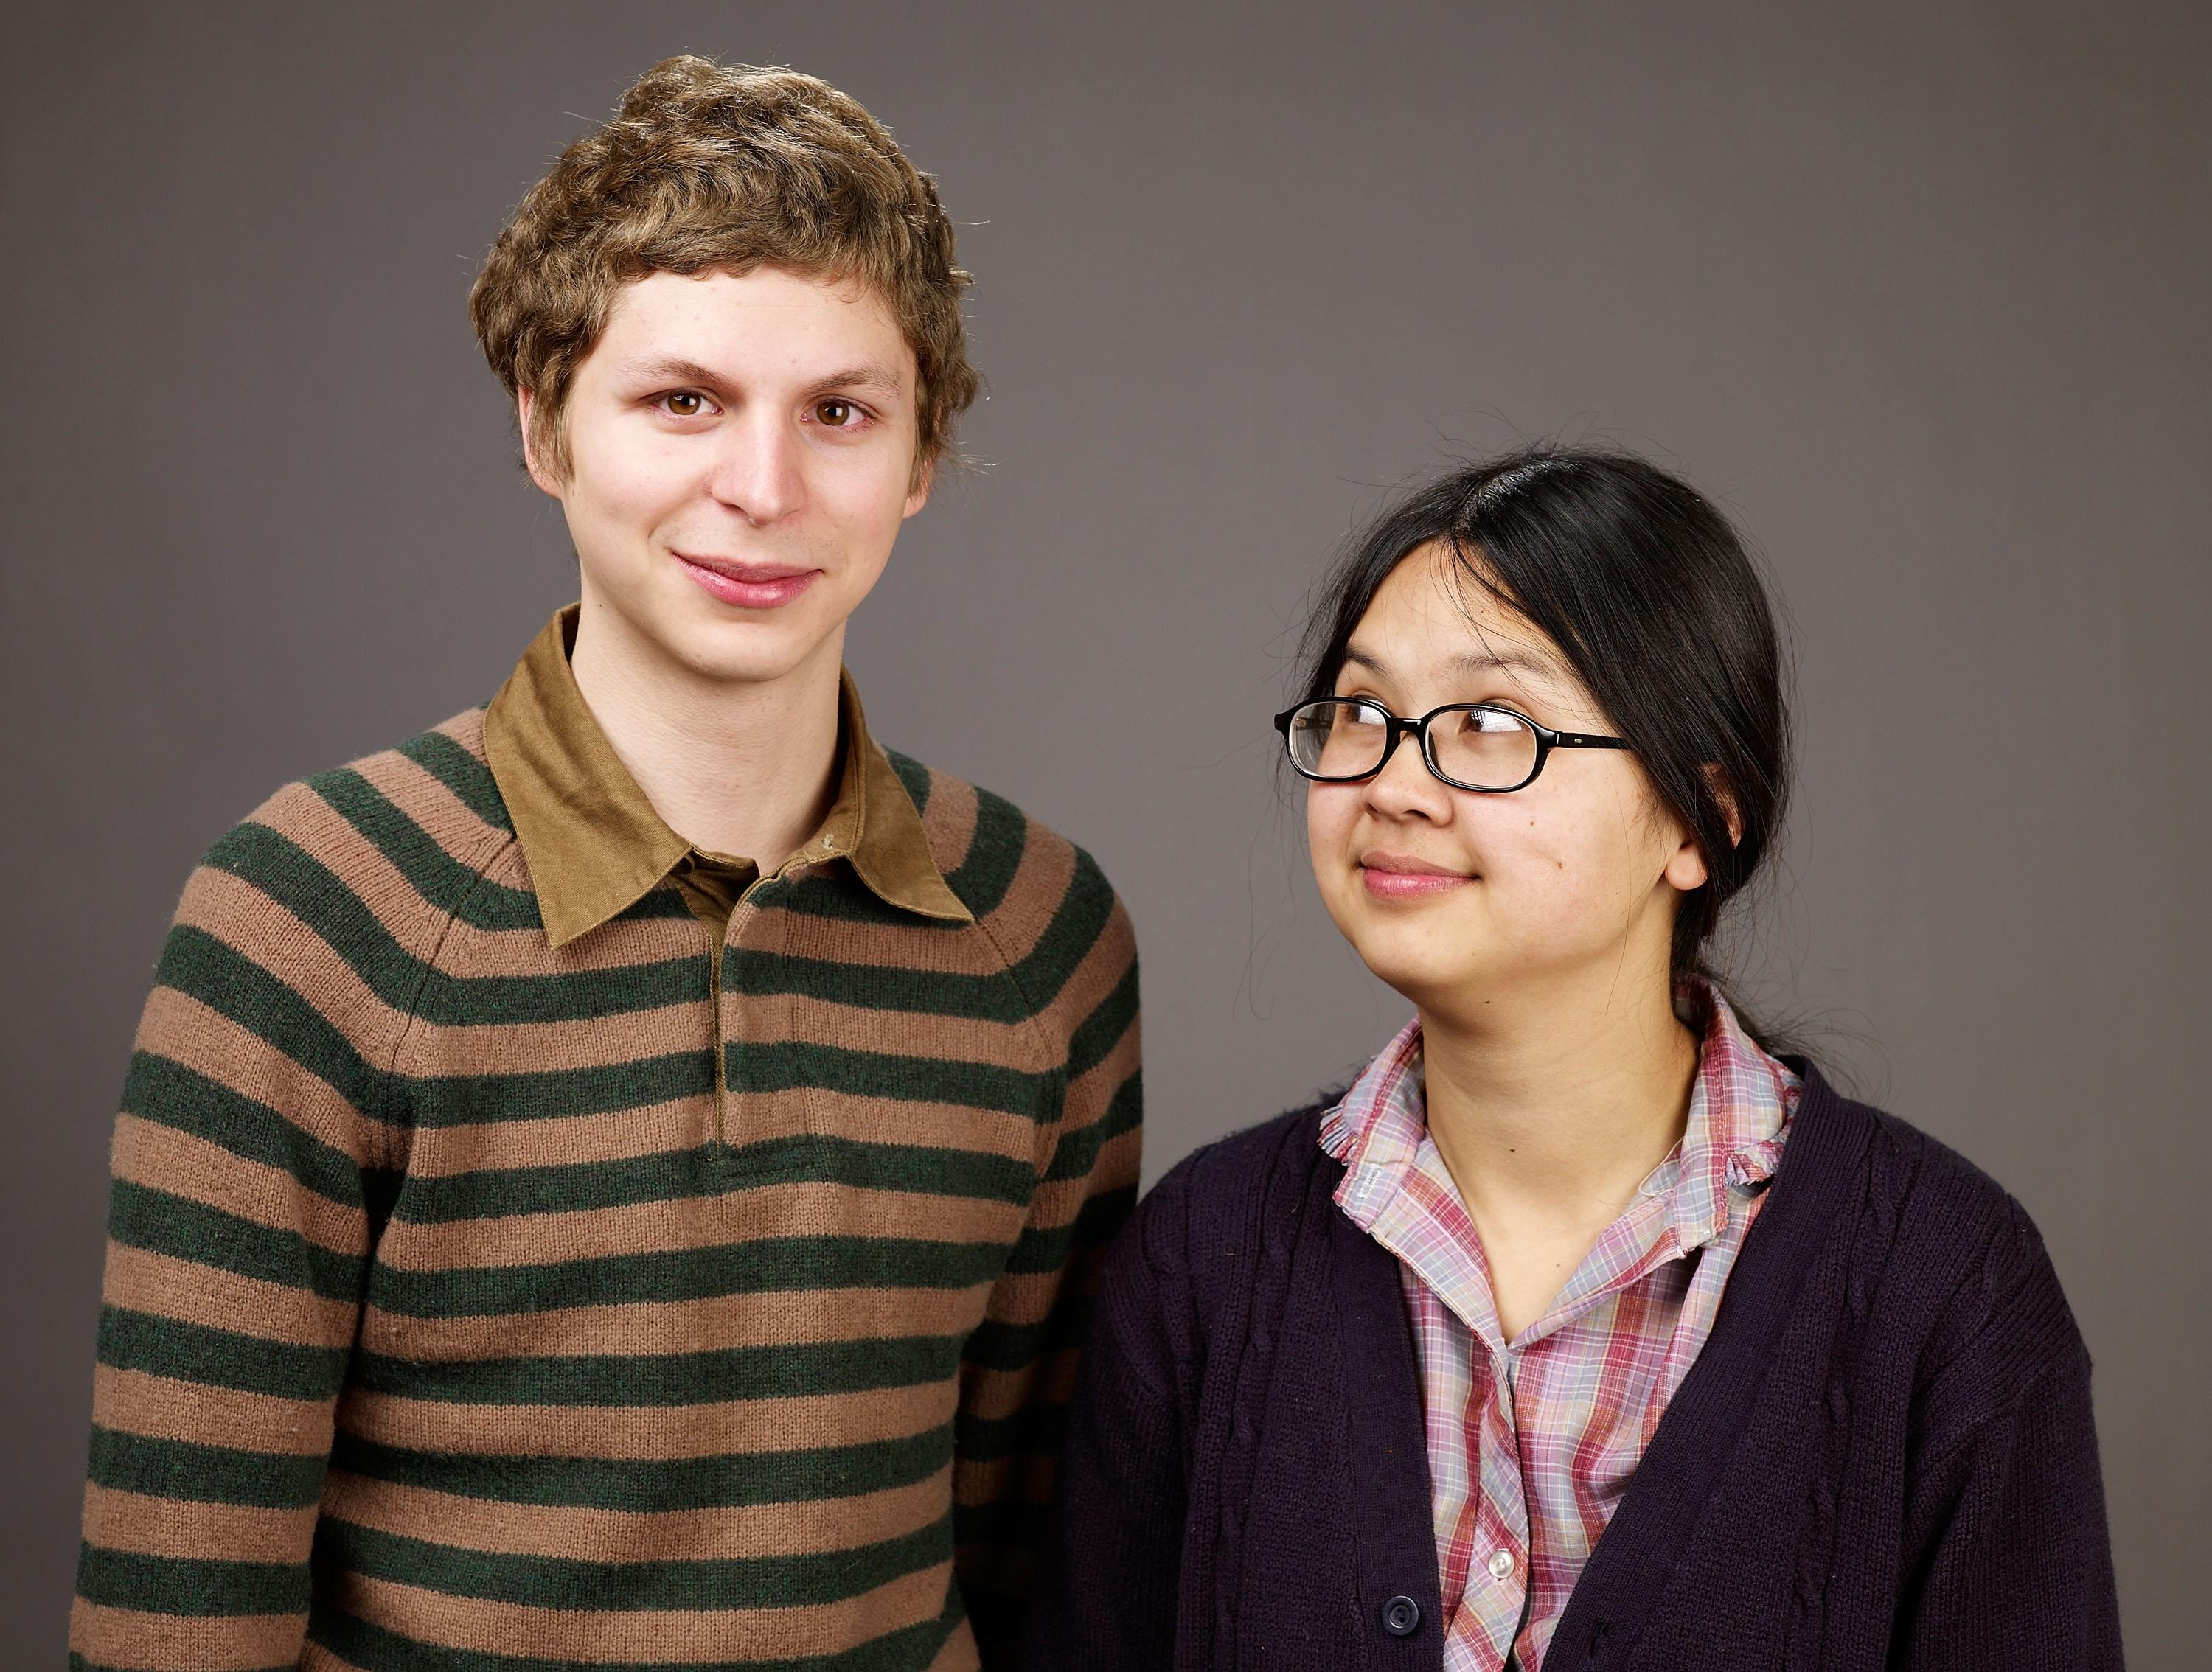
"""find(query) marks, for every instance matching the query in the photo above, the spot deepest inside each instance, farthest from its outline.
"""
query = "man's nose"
(760, 471)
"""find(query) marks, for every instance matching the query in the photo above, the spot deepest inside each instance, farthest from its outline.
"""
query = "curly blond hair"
(708, 168)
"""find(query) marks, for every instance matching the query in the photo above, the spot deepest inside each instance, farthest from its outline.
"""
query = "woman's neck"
(744, 769)
(1551, 1108)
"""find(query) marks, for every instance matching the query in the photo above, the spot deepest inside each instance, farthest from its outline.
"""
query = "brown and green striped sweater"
(461, 1317)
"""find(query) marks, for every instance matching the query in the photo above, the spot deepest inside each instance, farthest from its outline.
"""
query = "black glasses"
(1468, 746)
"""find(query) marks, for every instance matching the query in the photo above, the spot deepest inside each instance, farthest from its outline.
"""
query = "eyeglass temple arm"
(1583, 740)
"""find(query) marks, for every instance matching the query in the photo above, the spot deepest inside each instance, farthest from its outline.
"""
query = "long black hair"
(1649, 593)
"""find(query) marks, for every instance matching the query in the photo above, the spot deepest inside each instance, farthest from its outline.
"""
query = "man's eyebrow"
(670, 370)
(870, 376)
(878, 378)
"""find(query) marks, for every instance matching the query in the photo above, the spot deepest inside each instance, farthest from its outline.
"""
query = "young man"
(615, 1181)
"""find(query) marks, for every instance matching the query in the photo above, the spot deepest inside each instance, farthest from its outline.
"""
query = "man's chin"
(738, 652)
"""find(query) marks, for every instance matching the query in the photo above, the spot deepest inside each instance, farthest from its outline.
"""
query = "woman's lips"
(749, 586)
(1393, 878)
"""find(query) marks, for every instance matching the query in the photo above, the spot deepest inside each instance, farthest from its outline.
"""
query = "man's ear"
(925, 478)
(524, 400)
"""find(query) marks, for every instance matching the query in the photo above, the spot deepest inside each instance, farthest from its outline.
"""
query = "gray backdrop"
(1920, 291)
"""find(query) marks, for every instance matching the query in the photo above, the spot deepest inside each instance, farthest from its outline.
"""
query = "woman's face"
(1459, 899)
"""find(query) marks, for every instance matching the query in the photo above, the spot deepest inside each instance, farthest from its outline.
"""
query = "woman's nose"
(1404, 788)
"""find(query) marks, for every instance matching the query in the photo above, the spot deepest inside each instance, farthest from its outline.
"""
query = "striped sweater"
(449, 1326)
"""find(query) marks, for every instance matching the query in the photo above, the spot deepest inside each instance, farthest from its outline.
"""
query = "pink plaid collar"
(1739, 1104)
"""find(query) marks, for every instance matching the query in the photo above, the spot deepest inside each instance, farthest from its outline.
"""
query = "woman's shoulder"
(1211, 1210)
(1936, 1193)
(1941, 1236)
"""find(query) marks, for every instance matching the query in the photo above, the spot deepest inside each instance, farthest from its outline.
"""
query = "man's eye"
(685, 404)
(836, 414)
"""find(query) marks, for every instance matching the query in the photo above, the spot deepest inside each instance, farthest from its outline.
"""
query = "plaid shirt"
(1532, 1443)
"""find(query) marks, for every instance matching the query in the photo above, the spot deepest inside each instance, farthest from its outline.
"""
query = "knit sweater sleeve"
(1019, 1368)
(252, 1151)
(2007, 1560)
(1107, 1592)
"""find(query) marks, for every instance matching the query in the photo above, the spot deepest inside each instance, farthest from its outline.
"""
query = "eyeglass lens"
(1484, 748)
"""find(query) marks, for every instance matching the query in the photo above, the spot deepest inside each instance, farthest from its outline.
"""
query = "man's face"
(741, 454)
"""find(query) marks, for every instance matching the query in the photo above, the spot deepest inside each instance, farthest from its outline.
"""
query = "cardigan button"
(1401, 1617)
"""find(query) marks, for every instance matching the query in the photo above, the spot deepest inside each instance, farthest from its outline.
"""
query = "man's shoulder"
(366, 852)
(1042, 896)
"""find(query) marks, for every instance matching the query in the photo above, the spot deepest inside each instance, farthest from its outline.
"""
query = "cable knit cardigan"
(1883, 1458)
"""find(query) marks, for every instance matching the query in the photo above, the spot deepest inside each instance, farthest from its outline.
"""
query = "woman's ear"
(1685, 867)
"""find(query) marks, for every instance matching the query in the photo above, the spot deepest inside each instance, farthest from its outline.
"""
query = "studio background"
(1919, 292)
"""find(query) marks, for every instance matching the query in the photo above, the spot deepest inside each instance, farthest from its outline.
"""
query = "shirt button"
(1401, 1617)
(1501, 1563)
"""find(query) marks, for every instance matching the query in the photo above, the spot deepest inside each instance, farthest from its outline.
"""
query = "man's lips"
(747, 586)
(1403, 877)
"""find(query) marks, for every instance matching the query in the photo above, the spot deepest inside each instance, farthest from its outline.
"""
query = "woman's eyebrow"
(1529, 661)
(1508, 661)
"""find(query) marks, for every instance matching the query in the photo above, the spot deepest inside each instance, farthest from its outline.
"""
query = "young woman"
(1581, 1332)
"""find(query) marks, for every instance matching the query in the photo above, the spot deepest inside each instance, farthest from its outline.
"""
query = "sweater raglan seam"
(2060, 1365)
(391, 1082)
(1999, 1309)
(1132, 1366)
(2065, 1353)
(1032, 1019)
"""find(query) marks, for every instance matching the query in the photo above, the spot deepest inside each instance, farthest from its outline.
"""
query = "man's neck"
(746, 770)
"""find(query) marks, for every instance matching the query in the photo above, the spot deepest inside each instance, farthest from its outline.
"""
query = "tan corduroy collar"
(594, 844)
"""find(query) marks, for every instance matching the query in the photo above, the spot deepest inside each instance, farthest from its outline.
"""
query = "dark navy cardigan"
(1883, 1458)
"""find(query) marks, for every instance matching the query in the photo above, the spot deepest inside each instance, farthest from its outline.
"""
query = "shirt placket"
(736, 1021)
(1498, 1559)
(1484, 1603)
(733, 1006)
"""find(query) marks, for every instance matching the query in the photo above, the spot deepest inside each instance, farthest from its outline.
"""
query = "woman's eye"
(684, 404)
(834, 414)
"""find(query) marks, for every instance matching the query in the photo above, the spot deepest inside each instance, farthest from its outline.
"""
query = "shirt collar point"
(923, 897)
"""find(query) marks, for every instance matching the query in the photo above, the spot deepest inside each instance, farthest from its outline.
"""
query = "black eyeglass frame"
(1547, 741)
